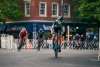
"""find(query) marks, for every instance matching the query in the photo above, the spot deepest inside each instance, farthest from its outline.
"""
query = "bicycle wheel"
(38, 47)
(21, 45)
(56, 53)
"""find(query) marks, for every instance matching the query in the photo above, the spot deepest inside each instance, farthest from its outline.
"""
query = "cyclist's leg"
(56, 53)
(55, 45)
(55, 48)
(38, 47)
(21, 44)
(59, 44)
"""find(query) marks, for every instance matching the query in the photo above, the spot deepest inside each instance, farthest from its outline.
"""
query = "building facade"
(46, 12)
(45, 9)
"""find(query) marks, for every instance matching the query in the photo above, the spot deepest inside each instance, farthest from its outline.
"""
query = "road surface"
(45, 58)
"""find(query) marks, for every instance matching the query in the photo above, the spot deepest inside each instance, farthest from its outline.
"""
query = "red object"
(23, 34)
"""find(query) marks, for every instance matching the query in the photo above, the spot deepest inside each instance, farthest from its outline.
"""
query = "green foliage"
(88, 10)
(9, 9)
(47, 35)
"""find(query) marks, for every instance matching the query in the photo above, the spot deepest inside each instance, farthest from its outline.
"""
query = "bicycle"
(22, 42)
(56, 46)
(57, 50)
(57, 29)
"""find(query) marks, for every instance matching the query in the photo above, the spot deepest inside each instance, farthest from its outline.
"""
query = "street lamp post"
(62, 3)
(99, 46)
(99, 38)
(68, 35)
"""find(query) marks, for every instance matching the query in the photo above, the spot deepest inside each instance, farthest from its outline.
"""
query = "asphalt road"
(45, 58)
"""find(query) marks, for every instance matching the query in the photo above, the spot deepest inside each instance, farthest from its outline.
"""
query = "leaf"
(10, 10)
(89, 9)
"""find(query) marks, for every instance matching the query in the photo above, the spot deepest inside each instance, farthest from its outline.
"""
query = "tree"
(87, 10)
(9, 9)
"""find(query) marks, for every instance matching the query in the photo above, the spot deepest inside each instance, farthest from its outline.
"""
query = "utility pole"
(99, 46)
(62, 6)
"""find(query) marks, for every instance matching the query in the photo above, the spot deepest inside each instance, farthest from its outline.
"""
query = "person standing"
(40, 39)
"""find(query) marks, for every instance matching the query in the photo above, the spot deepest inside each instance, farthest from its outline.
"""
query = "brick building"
(47, 10)
(44, 12)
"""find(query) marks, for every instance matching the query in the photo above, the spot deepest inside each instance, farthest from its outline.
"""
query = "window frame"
(25, 9)
(57, 14)
(68, 15)
(45, 9)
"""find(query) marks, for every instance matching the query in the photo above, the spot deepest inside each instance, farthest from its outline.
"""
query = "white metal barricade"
(3, 41)
(99, 46)
(99, 55)
(7, 41)
(50, 44)
(34, 43)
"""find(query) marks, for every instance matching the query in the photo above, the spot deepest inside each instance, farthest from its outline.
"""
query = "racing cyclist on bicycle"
(23, 35)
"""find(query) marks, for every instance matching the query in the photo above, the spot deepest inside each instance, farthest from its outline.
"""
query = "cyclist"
(57, 31)
(22, 38)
